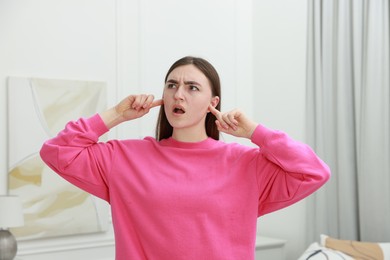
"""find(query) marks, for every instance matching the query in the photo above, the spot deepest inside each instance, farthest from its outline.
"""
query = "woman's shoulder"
(147, 141)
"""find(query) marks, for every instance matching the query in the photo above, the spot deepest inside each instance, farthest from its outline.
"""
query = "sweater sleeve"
(287, 170)
(76, 155)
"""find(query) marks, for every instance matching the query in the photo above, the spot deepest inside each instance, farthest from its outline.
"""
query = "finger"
(219, 126)
(228, 118)
(232, 118)
(222, 122)
(137, 102)
(147, 103)
(222, 127)
(219, 116)
(156, 103)
(142, 100)
(213, 110)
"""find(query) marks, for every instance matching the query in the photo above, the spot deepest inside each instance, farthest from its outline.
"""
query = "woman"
(185, 195)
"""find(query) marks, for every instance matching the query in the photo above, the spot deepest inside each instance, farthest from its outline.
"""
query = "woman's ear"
(214, 101)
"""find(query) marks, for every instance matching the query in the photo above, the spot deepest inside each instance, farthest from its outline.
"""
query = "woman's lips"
(178, 110)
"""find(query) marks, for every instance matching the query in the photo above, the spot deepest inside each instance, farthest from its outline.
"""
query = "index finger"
(156, 103)
(213, 110)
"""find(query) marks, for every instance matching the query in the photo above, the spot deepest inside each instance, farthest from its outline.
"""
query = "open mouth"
(178, 110)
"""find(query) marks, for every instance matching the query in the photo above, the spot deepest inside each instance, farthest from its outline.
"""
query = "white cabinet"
(269, 248)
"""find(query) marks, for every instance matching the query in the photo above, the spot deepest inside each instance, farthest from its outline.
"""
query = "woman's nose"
(179, 93)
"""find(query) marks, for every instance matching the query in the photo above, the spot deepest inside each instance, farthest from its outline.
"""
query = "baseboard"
(92, 246)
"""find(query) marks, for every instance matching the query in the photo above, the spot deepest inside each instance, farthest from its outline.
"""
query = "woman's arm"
(132, 107)
(287, 170)
(75, 153)
(234, 123)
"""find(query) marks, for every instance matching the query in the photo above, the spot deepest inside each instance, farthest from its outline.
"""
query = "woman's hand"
(132, 107)
(135, 106)
(234, 123)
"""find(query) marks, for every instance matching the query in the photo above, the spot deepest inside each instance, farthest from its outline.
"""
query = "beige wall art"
(37, 110)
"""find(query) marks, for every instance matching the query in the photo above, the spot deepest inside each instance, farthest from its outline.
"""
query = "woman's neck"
(189, 135)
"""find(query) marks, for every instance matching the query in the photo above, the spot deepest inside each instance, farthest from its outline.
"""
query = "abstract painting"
(37, 110)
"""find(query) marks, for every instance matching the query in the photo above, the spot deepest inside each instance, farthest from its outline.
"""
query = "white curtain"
(348, 117)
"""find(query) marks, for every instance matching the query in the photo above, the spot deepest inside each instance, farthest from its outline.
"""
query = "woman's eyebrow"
(172, 81)
(191, 82)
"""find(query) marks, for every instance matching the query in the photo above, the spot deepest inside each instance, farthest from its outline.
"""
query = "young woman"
(185, 194)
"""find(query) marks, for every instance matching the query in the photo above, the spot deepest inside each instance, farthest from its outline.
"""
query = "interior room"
(266, 53)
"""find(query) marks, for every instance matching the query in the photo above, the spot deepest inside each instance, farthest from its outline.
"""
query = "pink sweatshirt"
(177, 200)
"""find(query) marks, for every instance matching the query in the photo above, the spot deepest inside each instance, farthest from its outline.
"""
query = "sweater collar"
(205, 144)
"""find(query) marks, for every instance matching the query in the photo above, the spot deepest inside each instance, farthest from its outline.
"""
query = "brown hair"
(163, 128)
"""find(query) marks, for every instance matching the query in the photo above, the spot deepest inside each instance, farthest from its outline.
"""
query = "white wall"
(55, 39)
(131, 43)
(279, 88)
(163, 31)
(72, 39)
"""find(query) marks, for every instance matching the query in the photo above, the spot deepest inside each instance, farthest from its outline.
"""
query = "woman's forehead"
(188, 73)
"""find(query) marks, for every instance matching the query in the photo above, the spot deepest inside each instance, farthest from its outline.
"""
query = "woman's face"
(187, 96)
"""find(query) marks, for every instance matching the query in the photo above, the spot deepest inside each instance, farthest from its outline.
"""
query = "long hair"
(163, 128)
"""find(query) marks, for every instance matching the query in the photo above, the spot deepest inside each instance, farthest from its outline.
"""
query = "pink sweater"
(176, 200)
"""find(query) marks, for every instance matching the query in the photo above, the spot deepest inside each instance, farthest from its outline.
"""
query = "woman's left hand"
(234, 123)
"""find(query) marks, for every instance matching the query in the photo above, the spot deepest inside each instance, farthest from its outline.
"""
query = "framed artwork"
(37, 110)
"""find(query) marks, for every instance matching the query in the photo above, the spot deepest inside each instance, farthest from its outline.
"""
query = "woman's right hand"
(132, 107)
(135, 106)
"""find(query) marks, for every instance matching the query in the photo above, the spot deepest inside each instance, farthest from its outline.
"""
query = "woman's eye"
(195, 88)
